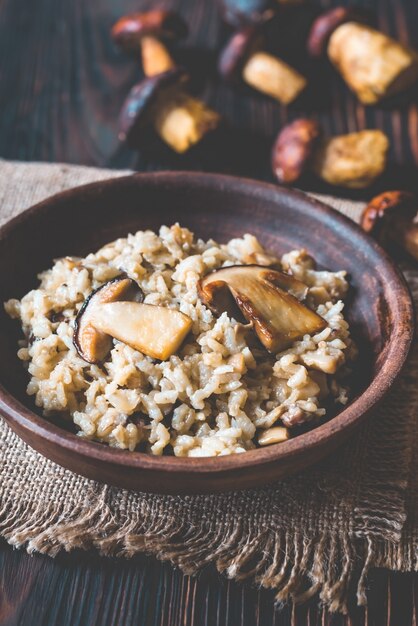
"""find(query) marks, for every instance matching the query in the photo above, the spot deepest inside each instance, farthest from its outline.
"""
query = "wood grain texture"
(85, 590)
(61, 86)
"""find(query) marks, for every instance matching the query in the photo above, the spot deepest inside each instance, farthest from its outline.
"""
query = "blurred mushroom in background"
(151, 33)
(354, 160)
(243, 58)
(373, 65)
(389, 218)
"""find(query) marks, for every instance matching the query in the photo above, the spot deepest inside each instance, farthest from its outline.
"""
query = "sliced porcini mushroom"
(150, 32)
(293, 149)
(115, 310)
(92, 344)
(354, 160)
(389, 218)
(276, 434)
(161, 103)
(267, 298)
(243, 59)
(156, 331)
(326, 23)
(238, 13)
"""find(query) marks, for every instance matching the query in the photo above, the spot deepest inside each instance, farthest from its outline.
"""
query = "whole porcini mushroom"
(150, 33)
(326, 23)
(354, 160)
(389, 218)
(162, 103)
(373, 65)
(268, 299)
(243, 58)
(293, 149)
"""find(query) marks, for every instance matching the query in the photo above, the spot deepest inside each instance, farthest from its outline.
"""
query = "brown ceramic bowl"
(78, 221)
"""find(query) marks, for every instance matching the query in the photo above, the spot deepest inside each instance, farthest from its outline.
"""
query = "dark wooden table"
(85, 590)
(61, 86)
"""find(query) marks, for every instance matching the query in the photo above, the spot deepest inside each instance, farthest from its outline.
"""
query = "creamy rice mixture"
(220, 390)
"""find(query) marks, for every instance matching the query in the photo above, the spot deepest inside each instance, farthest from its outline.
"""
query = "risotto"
(214, 389)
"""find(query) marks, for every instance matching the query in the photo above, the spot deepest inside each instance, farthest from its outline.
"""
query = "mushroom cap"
(384, 210)
(238, 13)
(137, 110)
(293, 149)
(325, 24)
(129, 30)
(237, 50)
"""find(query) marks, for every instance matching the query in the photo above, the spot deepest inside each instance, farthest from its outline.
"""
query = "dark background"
(62, 83)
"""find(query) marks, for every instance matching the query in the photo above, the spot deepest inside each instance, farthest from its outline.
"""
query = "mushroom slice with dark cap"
(239, 13)
(162, 103)
(92, 344)
(150, 32)
(115, 310)
(243, 58)
(389, 218)
(293, 149)
(267, 298)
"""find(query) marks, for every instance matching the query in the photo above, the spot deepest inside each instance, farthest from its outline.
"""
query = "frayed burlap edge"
(294, 566)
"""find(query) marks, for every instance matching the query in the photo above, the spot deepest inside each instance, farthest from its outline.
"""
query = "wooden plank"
(84, 589)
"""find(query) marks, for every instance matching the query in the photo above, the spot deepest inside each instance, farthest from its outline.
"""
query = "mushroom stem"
(354, 160)
(372, 64)
(183, 121)
(156, 58)
(273, 77)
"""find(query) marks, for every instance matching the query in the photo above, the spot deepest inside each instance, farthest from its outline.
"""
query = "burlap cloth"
(320, 531)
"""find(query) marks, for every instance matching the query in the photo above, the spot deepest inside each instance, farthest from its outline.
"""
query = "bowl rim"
(400, 344)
